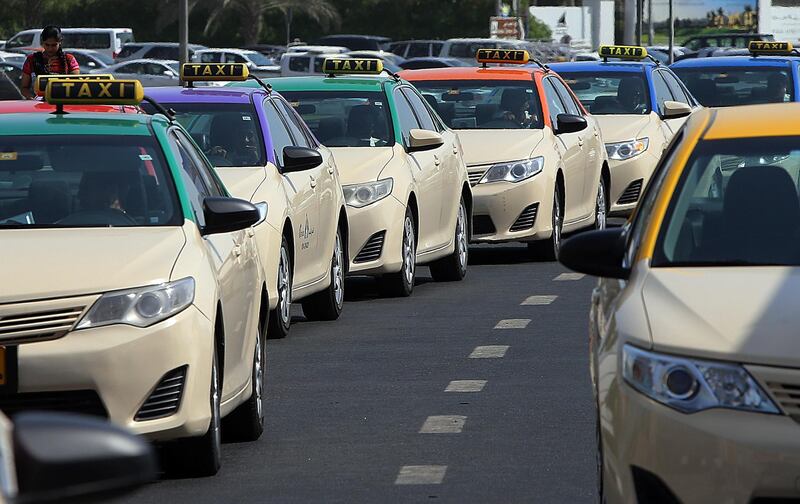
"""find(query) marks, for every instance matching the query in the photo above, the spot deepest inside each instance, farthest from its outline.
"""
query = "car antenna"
(168, 113)
(267, 86)
(392, 74)
(541, 65)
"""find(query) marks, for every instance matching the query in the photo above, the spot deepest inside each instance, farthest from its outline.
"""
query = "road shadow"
(363, 288)
(501, 254)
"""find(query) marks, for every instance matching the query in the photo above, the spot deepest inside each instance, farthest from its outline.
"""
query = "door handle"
(313, 182)
(580, 142)
(436, 160)
(330, 169)
(251, 232)
(237, 250)
(455, 150)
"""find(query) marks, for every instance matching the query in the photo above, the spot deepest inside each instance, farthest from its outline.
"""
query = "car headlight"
(626, 150)
(361, 195)
(140, 307)
(690, 385)
(515, 171)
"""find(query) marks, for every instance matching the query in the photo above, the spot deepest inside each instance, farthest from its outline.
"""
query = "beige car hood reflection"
(738, 314)
(482, 147)
(361, 164)
(242, 182)
(619, 128)
(52, 263)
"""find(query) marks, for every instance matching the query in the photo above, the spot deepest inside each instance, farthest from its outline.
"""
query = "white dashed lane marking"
(443, 424)
(465, 386)
(489, 352)
(539, 300)
(421, 475)
(513, 324)
(566, 277)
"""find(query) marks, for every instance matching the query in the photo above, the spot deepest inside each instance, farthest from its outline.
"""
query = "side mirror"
(91, 64)
(675, 110)
(596, 253)
(297, 159)
(570, 123)
(225, 215)
(74, 458)
(422, 140)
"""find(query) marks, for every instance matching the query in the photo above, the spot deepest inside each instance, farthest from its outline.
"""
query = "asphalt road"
(347, 401)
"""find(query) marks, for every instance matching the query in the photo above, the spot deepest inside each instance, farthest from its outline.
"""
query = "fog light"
(680, 383)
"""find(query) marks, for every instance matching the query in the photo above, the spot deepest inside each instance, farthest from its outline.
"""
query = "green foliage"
(538, 29)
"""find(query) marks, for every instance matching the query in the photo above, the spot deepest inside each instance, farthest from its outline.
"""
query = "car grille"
(165, 399)
(482, 224)
(526, 219)
(476, 176)
(631, 194)
(77, 401)
(373, 248)
(19, 328)
(788, 396)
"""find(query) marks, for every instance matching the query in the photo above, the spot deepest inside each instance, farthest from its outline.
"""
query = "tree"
(538, 29)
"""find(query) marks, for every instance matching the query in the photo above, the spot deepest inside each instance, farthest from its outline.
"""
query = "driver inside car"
(515, 107)
(630, 95)
(232, 141)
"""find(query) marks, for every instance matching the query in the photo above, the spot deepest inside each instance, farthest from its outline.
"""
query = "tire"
(328, 304)
(246, 422)
(601, 206)
(401, 284)
(280, 319)
(200, 456)
(453, 268)
(601, 498)
(547, 250)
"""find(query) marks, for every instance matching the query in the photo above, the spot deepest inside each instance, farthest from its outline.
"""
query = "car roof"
(34, 124)
(228, 49)
(36, 106)
(735, 61)
(226, 94)
(752, 121)
(600, 66)
(147, 60)
(349, 35)
(324, 83)
(165, 44)
(471, 73)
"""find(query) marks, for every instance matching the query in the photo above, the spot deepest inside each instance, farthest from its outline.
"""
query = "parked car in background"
(317, 48)
(155, 50)
(466, 48)
(91, 60)
(356, 42)
(724, 40)
(12, 57)
(2, 44)
(298, 64)
(148, 72)
(105, 40)
(255, 61)
(10, 76)
(269, 50)
(416, 48)
(387, 57)
(661, 53)
(420, 63)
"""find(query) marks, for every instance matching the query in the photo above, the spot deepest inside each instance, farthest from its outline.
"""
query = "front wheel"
(454, 267)
(401, 284)
(547, 250)
(246, 422)
(601, 207)
(280, 319)
(328, 304)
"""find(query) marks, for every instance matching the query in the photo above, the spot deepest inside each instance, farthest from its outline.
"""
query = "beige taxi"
(694, 358)
(536, 159)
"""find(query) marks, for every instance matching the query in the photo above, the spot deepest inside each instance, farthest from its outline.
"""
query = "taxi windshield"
(725, 87)
(610, 92)
(736, 204)
(484, 104)
(345, 118)
(228, 133)
(57, 181)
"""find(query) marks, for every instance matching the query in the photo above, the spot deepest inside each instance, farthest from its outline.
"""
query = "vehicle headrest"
(13, 162)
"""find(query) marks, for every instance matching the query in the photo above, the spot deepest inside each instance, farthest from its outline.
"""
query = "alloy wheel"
(600, 217)
(337, 271)
(284, 288)
(409, 253)
(461, 236)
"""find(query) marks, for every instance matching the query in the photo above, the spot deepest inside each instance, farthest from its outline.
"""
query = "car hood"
(619, 128)
(746, 315)
(52, 263)
(482, 147)
(361, 164)
(242, 182)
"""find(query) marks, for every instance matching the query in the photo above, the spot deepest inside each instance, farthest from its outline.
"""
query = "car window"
(420, 110)
(299, 132)
(87, 40)
(24, 40)
(128, 49)
(299, 63)
(566, 97)
(162, 52)
(662, 91)
(610, 92)
(554, 104)
(405, 115)
(318, 61)
(676, 88)
(210, 179)
(131, 68)
(399, 49)
(155, 69)
(729, 86)
(280, 133)
(417, 50)
(193, 182)
(211, 57)
(436, 48)
(235, 58)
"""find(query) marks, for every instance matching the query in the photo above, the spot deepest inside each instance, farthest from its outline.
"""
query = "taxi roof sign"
(758, 47)
(201, 72)
(622, 52)
(114, 92)
(41, 80)
(509, 56)
(344, 66)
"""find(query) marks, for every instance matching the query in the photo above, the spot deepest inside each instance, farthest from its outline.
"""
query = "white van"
(105, 40)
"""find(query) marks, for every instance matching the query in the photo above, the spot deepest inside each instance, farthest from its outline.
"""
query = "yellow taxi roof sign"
(40, 85)
(509, 56)
(344, 66)
(114, 92)
(196, 72)
(757, 47)
(622, 52)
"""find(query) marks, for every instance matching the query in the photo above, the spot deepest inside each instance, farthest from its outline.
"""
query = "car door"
(228, 257)
(448, 177)
(662, 94)
(425, 169)
(571, 147)
(129, 71)
(326, 216)
(301, 191)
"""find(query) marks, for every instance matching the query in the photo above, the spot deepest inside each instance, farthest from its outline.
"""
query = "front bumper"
(628, 180)
(506, 211)
(124, 364)
(717, 455)
(366, 225)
